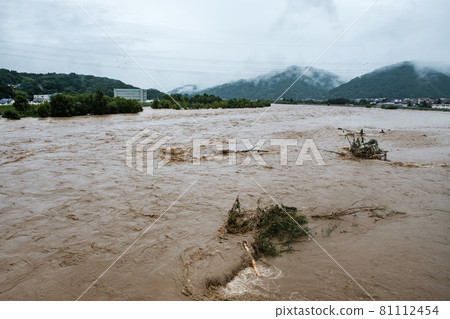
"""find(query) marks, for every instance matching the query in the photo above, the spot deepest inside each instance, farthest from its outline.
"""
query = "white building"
(132, 94)
(441, 106)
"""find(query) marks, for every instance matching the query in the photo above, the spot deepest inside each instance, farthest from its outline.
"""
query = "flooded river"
(70, 207)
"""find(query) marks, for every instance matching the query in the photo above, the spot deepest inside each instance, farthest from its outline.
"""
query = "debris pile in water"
(367, 150)
(274, 227)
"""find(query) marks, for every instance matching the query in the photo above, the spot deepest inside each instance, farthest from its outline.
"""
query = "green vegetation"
(62, 105)
(339, 101)
(51, 83)
(395, 212)
(367, 150)
(6, 91)
(21, 103)
(389, 107)
(397, 81)
(275, 223)
(154, 94)
(330, 229)
(273, 227)
(84, 104)
(204, 101)
(6, 107)
(44, 109)
(11, 115)
(315, 84)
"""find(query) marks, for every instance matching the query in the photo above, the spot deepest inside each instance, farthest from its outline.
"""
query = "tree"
(127, 106)
(30, 86)
(6, 91)
(62, 105)
(339, 101)
(21, 103)
(43, 109)
(11, 115)
(100, 103)
(155, 104)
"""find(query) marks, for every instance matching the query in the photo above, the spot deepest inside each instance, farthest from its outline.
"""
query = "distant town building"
(132, 94)
(41, 98)
(6, 101)
(441, 106)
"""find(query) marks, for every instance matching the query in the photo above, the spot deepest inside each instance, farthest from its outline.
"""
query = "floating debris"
(367, 150)
(273, 226)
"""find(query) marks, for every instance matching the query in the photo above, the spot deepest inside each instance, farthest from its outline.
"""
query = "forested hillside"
(50, 83)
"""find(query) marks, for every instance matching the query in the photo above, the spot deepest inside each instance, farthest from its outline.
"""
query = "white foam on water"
(246, 282)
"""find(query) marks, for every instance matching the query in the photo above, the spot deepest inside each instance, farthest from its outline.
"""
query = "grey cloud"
(208, 43)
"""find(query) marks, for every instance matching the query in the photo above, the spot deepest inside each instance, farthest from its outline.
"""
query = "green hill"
(36, 83)
(401, 80)
(154, 94)
(314, 84)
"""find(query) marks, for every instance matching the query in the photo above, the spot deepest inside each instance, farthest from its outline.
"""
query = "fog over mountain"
(314, 83)
(401, 80)
(185, 89)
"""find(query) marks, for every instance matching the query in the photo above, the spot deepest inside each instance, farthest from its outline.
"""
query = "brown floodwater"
(70, 206)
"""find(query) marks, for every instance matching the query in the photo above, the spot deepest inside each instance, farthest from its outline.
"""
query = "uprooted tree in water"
(362, 149)
(274, 227)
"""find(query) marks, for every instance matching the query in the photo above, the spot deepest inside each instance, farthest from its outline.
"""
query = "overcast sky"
(213, 42)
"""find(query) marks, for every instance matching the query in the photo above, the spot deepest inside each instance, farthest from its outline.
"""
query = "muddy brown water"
(69, 206)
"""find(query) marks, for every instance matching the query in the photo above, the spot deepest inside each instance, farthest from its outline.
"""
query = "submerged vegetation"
(367, 150)
(205, 101)
(274, 227)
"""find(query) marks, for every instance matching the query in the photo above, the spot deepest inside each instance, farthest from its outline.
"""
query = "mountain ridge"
(400, 80)
(49, 83)
(314, 83)
(405, 79)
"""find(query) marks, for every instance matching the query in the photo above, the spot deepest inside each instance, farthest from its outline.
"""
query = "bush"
(100, 103)
(205, 101)
(11, 115)
(275, 223)
(389, 107)
(156, 104)
(112, 107)
(21, 103)
(274, 226)
(62, 105)
(122, 105)
(43, 109)
(339, 101)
